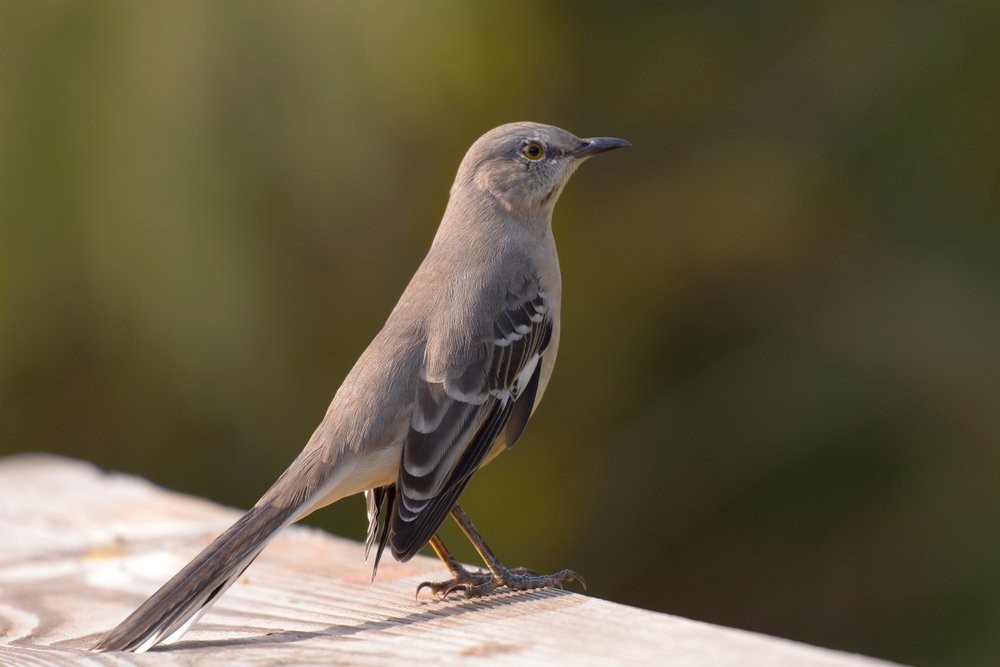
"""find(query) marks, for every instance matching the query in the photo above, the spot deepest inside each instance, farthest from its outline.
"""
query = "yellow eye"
(533, 150)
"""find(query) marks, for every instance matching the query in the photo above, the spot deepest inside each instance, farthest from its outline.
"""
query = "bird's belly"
(369, 472)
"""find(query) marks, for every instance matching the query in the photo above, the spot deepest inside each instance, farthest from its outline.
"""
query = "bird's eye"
(533, 150)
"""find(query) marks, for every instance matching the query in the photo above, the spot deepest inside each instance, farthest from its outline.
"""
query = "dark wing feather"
(525, 403)
(521, 410)
(410, 530)
(456, 421)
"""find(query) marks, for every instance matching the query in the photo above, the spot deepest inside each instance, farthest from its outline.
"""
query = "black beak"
(595, 145)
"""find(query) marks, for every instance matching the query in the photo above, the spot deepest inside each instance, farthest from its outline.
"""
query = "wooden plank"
(80, 548)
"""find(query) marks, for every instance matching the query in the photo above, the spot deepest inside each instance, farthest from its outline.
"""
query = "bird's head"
(526, 165)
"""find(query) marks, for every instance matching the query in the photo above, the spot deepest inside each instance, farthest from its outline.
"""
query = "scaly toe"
(522, 579)
(473, 584)
(436, 588)
(480, 584)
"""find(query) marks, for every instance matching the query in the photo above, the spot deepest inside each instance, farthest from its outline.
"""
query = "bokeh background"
(777, 404)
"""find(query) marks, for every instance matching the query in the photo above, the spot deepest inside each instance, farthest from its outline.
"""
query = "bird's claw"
(479, 584)
(463, 580)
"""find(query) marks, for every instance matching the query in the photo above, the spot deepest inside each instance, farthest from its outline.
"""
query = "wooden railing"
(80, 548)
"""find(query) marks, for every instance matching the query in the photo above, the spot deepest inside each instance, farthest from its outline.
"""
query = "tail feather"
(180, 602)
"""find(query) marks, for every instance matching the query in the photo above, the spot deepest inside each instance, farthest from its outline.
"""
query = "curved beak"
(595, 145)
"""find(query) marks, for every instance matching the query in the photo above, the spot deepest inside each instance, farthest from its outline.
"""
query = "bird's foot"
(478, 584)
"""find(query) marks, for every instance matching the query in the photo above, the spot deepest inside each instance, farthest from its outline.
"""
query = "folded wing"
(458, 414)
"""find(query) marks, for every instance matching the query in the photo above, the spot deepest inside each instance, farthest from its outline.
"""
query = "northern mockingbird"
(447, 384)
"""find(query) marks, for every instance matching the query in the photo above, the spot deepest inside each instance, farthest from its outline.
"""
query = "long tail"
(181, 601)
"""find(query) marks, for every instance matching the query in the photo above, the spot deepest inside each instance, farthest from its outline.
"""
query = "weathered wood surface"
(80, 548)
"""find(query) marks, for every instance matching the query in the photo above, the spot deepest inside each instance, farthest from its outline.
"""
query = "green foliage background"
(778, 398)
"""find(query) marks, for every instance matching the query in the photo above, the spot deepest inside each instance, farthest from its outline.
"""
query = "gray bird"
(447, 384)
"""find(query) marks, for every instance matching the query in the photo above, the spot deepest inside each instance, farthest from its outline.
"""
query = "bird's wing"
(459, 412)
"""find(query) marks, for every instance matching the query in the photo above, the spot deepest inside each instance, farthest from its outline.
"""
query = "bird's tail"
(181, 601)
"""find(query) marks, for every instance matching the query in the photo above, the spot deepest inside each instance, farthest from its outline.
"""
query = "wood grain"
(80, 548)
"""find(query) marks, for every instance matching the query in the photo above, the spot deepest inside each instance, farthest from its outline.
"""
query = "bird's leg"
(476, 584)
(518, 578)
(461, 578)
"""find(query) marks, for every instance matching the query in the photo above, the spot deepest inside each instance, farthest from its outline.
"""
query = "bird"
(447, 384)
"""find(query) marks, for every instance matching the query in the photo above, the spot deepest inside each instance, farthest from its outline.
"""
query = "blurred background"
(777, 404)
